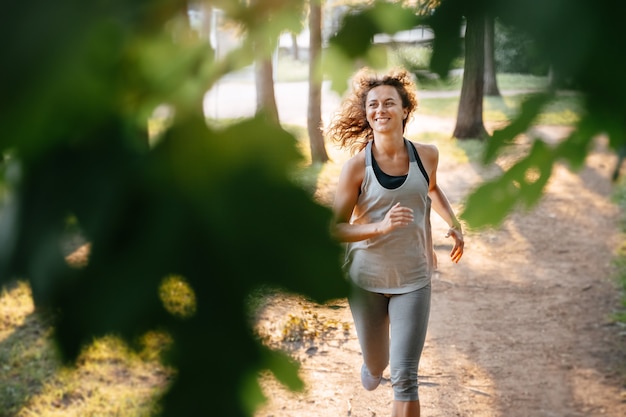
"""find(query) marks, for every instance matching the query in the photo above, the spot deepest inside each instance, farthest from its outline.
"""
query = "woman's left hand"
(457, 250)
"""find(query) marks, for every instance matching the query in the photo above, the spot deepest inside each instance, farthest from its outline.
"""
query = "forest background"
(162, 211)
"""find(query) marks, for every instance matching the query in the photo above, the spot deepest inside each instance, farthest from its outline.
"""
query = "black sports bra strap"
(419, 161)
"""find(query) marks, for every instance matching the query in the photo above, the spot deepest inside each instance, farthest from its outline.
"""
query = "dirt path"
(521, 327)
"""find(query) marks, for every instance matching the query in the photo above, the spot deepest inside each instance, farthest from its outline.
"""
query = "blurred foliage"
(217, 206)
(516, 52)
(353, 45)
(204, 214)
(582, 43)
(413, 58)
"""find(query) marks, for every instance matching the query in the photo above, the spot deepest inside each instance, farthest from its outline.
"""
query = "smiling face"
(384, 111)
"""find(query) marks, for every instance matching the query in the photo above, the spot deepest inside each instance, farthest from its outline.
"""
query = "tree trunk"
(554, 81)
(264, 78)
(264, 83)
(469, 121)
(295, 50)
(491, 83)
(207, 22)
(314, 115)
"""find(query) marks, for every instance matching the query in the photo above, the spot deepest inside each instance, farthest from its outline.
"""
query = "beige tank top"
(400, 261)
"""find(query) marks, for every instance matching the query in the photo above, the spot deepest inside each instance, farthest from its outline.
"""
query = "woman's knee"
(376, 365)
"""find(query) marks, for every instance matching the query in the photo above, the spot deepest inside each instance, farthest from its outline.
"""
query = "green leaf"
(490, 203)
(356, 35)
(575, 147)
(446, 23)
(529, 111)
(532, 173)
(392, 17)
(338, 67)
(355, 38)
(284, 368)
(357, 32)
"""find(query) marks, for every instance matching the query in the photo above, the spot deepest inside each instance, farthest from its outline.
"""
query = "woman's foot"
(369, 381)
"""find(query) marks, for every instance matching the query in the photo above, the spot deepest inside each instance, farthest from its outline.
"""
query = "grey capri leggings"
(406, 316)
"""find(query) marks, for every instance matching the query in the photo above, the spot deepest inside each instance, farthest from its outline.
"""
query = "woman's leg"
(405, 409)
(371, 321)
(408, 314)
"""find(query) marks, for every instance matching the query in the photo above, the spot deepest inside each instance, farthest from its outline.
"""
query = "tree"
(575, 53)
(469, 122)
(264, 83)
(264, 75)
(206, 23)
(295, 50)
(314, 117)
(491, 82)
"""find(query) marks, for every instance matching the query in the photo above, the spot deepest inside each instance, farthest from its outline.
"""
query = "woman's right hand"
(397, 216)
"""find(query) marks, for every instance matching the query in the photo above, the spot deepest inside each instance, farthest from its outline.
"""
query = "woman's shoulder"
(426, 150)
(353, 171)
(356, 161)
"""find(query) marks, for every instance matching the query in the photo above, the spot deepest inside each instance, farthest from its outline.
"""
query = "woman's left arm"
(442, 206)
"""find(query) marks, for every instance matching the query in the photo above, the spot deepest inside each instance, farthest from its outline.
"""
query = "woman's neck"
(389, 144)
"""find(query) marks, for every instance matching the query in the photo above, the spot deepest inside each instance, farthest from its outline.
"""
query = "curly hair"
(349, 127)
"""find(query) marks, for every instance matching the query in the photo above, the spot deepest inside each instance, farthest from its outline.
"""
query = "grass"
(506, 82)
(564, 110)
(109, 378)
(417, 60)
(619, 197)
(457, 151)
(315, 176)
(521, 82)
(26, 355)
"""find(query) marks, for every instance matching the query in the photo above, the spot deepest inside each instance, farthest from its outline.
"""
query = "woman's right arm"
(346, 197)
